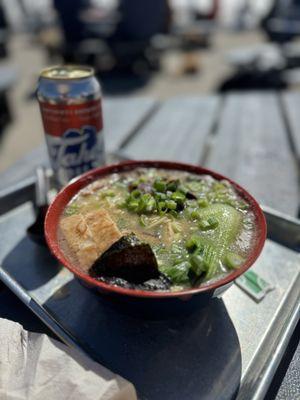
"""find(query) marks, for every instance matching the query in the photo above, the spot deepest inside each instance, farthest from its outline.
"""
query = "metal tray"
(230, 349)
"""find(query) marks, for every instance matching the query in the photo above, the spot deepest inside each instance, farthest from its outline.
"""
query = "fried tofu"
(90, 235)
(104, 231)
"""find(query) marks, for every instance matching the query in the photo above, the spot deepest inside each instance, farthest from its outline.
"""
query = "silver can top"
(66, 72)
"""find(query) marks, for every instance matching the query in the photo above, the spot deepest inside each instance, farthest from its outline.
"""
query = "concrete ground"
(26, 132)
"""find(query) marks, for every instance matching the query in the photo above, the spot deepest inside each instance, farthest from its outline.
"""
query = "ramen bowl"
(144, 301)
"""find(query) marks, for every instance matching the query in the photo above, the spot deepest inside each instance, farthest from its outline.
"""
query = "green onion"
(135, 184)
(133, 205)
(160, 196)
(171, 204)
(143, 220)
(178, 197)
(151, 205)
(173, 213)
(193, 243)
(162, 206)
(135, 194)
(242, 205)
(160, 185)
(202, 203)
(233, 260)
(146, 204)
(208, 224)
(195, 186)
(183, 189)
(107, 193)
(72, 209)
(219, 187)
(198, 265)
(195, 214)
(172, 186)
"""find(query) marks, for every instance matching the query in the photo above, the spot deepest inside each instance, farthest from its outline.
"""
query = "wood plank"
(252, 148)
(291, 103)
(24, 169)
(178, 131)
(122, 117)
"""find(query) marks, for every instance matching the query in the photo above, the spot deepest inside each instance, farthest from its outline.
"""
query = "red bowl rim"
(64, 196)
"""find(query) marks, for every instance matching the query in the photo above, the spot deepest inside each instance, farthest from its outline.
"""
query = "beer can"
(70, 103)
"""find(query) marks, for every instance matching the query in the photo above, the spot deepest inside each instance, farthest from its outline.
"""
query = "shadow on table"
(191, 357)
(13, 309)
(32, 265)
(179, 358)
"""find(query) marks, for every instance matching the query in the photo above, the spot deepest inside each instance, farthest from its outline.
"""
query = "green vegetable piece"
(183, 189)
(143, 220)
(204, 225)
(233, 260)
(179, 197)
(211, 256)
(215, 248)
(173, 213)
(208, 224)
(172, 185)
(171, 204)
(177, 254)
(177, 273)
(198, 265)
(160, 196)
(160, 185)
(203, 203)
(194, 243)
(190, 245)
(151, 205)
(229, 221)
(195, 186)
(219, 187)
(133, 205)
(195, 214)
(134, 184)
(135, 194)
(146, 204)
(108, 193)
(162, 207)
(242, 205)
(72, 209)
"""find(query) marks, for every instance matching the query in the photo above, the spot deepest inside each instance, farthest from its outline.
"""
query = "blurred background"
(157, 48)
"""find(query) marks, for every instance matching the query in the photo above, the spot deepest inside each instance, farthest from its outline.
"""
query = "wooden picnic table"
(252, 138)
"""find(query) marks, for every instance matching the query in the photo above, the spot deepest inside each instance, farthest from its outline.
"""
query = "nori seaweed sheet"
(162, 283)
(128, 259)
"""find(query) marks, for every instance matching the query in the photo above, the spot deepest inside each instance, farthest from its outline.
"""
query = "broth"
(198, 228)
